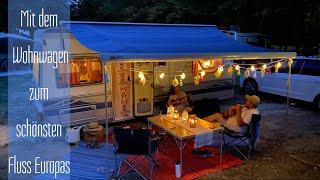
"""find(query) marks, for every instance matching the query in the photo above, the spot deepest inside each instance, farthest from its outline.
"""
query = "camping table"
(181, 134)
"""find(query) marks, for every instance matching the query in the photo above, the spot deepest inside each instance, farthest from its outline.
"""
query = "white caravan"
(76, 89)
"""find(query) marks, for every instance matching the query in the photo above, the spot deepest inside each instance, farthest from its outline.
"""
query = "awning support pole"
(288, 100)
(108, 169)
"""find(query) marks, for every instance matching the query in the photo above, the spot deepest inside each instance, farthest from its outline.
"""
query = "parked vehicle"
(305, 81)
(84, 83)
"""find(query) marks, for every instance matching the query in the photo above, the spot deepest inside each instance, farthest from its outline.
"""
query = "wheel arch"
(252, 79)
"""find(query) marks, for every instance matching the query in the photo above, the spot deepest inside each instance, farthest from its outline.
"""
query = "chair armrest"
(232, 133)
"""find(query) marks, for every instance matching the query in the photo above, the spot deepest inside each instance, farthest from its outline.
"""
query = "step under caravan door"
(122, 102)
(143, 91)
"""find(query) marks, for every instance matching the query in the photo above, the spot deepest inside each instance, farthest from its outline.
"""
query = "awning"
(155, 42)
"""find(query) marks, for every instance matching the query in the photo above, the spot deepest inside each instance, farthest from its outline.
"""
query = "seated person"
(237, 118)
(178, 99)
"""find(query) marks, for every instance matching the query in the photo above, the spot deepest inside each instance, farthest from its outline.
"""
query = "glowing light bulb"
(237, 67)
(279, 64)
(206, 64)
(203, 73)
(183, 76)
(264, 66)
(162, 75)
(220, 69)
(252, 68)
(141, 75)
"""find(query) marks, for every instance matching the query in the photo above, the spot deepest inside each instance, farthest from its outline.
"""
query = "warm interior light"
(252, 68)
(162, 75)
(183, 76)
(203, 73)
(141, 75)
(206, 64)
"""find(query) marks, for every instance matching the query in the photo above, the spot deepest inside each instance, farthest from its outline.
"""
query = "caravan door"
(143, 90)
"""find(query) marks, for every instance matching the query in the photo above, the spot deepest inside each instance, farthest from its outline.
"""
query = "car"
(305, 81)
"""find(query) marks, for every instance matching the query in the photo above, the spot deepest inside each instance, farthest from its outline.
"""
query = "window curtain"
(75, 73)
(63, 74)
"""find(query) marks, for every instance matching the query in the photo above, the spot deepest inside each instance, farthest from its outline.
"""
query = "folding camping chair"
(251, 136)
(130, 144)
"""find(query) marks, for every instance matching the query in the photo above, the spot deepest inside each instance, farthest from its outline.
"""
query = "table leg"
(181, 148)
(221, 139)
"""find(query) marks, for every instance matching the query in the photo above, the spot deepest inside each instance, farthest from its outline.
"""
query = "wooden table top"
(180, 132)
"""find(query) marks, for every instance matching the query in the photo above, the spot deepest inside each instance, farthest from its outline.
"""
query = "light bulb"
(220, 69)
(279, 64)
(203, 73)
(162, 75)
(183, 76)
(252, 68)
(237, 67)
(141, 76)
(206, 64)
(264, 66)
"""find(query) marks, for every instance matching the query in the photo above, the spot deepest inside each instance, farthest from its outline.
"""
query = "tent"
(134, 42)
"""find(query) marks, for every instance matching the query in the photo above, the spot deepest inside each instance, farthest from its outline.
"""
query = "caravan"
(76, 89)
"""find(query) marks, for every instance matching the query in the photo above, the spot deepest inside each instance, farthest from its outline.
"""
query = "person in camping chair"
(238, 117)
(178, 99)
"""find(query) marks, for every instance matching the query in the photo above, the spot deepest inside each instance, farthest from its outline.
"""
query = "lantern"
(184, 115)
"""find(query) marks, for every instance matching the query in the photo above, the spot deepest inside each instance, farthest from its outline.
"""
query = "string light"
(264, 66)
(183, 76)
(278, 65)
(247, 73)
(237, 67)
(255, 74)
(252, 68)
(175, 82)
(162, 75)
(203, 73)
(200, 76)
(230, 69)
(196, 79)
(206, 64)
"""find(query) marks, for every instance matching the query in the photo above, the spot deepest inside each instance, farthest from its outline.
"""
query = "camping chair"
(131, 144)
(251, 136)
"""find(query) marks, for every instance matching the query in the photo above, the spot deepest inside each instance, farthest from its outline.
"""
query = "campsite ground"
(296, 157)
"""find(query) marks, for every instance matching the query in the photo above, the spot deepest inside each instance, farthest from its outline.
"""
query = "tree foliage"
(286, 22)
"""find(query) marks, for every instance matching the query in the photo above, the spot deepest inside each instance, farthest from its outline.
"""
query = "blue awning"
(141, 41)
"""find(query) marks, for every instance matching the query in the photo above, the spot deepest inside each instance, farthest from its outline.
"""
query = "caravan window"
(206, 65)
(79, 72)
